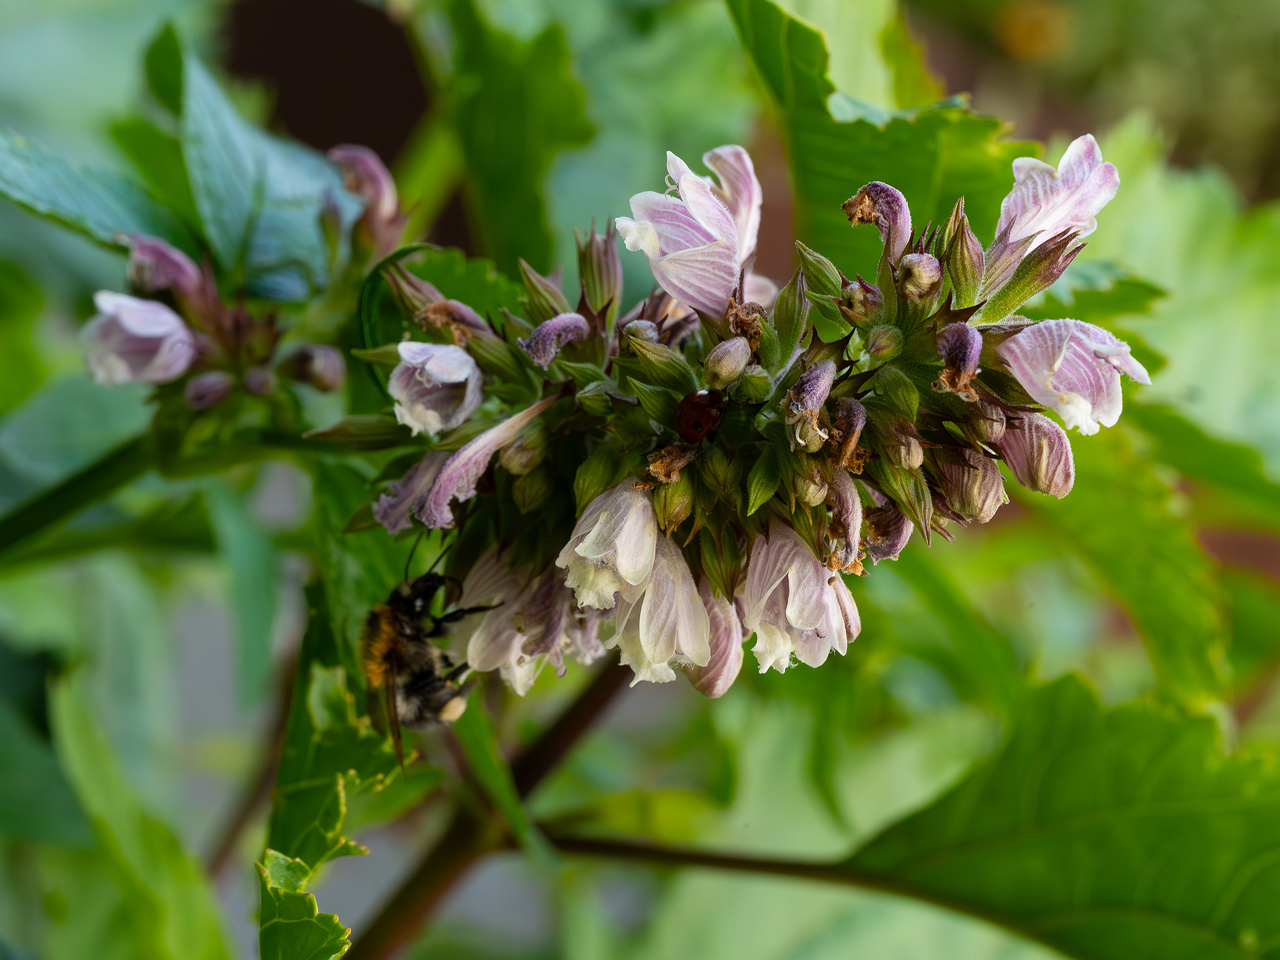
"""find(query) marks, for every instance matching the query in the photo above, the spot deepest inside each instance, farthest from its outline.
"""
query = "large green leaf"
(1106, 834)
(98, 203)
(1119, 519)
(36, 802)
(165, 888)
(836, 144)
(290, 926)
(21, 367)
(516, 106)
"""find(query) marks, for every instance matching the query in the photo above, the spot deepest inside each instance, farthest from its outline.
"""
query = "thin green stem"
(95, 482)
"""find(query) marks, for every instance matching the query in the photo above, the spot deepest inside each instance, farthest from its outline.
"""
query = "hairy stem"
(468, 839)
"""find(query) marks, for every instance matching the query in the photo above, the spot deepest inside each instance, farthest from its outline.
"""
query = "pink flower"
(436, 386)
(612, 548)
(407, 497)
(136, 340)
(1039, 454)
(1074, 369)
(551, 336)
(725, 663)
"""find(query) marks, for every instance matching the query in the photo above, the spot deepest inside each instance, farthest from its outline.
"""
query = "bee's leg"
(453, 616)
(456, 672)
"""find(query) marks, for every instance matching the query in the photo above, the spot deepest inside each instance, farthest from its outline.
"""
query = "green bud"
(494, 355)
(594, 476)
(726, 363)
(860, 302)
(810, 488)
(594, 398)
(543, 297)
(964, 258)
(719, 471)
(526, 451)
(721, 561)
(532, 490)
(919, 277)
(637, 330)
(763, 480)
(364, 431)
(820, 275)
(665, 367)
(600, 270)
(754, 386)
(884, 342)
(673, 502)
(898, 390)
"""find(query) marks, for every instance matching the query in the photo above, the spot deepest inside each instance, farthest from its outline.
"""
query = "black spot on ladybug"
(698, 414)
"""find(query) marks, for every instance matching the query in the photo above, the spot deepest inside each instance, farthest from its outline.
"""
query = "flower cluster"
(721, 460)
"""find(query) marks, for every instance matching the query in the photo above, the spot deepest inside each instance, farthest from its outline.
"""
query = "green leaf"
(291, 926)
(933, 155)
(914, 85)
(157, 156)
(479, 741)
(37, 804)
(21, 367)
(250, 560)
(329, 750)
(1254, 610)
(1234, 469)
(515, 107)
(1104, 834)
(763, 480)
(102, 205)
(1118, 518)
(176, 913)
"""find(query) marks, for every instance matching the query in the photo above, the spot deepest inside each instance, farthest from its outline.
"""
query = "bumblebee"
(415, 679)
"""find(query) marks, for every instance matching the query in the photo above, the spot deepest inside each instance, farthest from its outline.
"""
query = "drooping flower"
(888, 530)
(457, 478)
(1046, 202)
(887, 208)
(551, 336)
(692, 239)
(793, 603)
(803, 405)
(407, 497)
(971, 484)
(612, 548)
(436, 386)
(132, 340)
(846, 522)
(960, 346)
(368, 177)
(726, 654)
(666, 622)
(1039, 454)
(155, 265)
(1074, 369)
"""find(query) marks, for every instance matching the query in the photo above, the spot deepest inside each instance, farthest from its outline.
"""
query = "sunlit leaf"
(291, 926)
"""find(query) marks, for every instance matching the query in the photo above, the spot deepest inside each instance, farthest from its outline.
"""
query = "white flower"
(667, 622)
(794, 604)
(136, 340)
(714, 679)
(436, 386)
(612, 547)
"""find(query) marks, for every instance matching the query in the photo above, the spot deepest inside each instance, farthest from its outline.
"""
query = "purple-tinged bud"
(902, 446)
(725, 663)
(848, 417)
(413, 293)
(643, 330)
(919, 277)
(551, 336)
(543, 296)
(988, 422)
(726, 362)
(132, 340)
(259, 381)
(803, 404)
(884, 206)
(971, 484)
(846, 522)
(600, 269)
(316, 365)
(960, 346)
(888, 530)
(368, 177)
(1039, 454)
(154, 266)
(1038, 271)
(436, 386)
(884, 343)
(209, 389)
(526, 451)
(859, 300)
(965, 260)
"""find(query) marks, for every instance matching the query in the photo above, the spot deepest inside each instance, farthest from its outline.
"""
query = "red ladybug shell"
(698, 414)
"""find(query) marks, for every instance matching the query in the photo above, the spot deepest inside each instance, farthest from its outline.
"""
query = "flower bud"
(642, 330)
(902, 444)
(368, 177)
(919, 277)
(317, 366)
(810, 488)
(1039, 454)
(132, 340)
(543, 296)
(820, 275)
(600, 269)
(526, 451)
(594, 398)
(848, 419)
(960, 346)
(413, 293)
(859, 301)
(988, 423)
(154, 266)
(726, 362)
(964, 258)
(673, 502)
(259, 381)
(551, 336)
(884, 206)
(1038, 271)
(884, 342)
(209, 389)
(898, 391)
(971, 484)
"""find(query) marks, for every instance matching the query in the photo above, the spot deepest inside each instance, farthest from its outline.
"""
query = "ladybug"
(698, 414)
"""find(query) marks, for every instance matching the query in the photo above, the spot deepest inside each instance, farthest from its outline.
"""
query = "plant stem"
(467, 839)
(95, 482)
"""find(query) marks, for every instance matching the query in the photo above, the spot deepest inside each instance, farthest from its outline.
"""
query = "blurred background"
(1185, 99)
